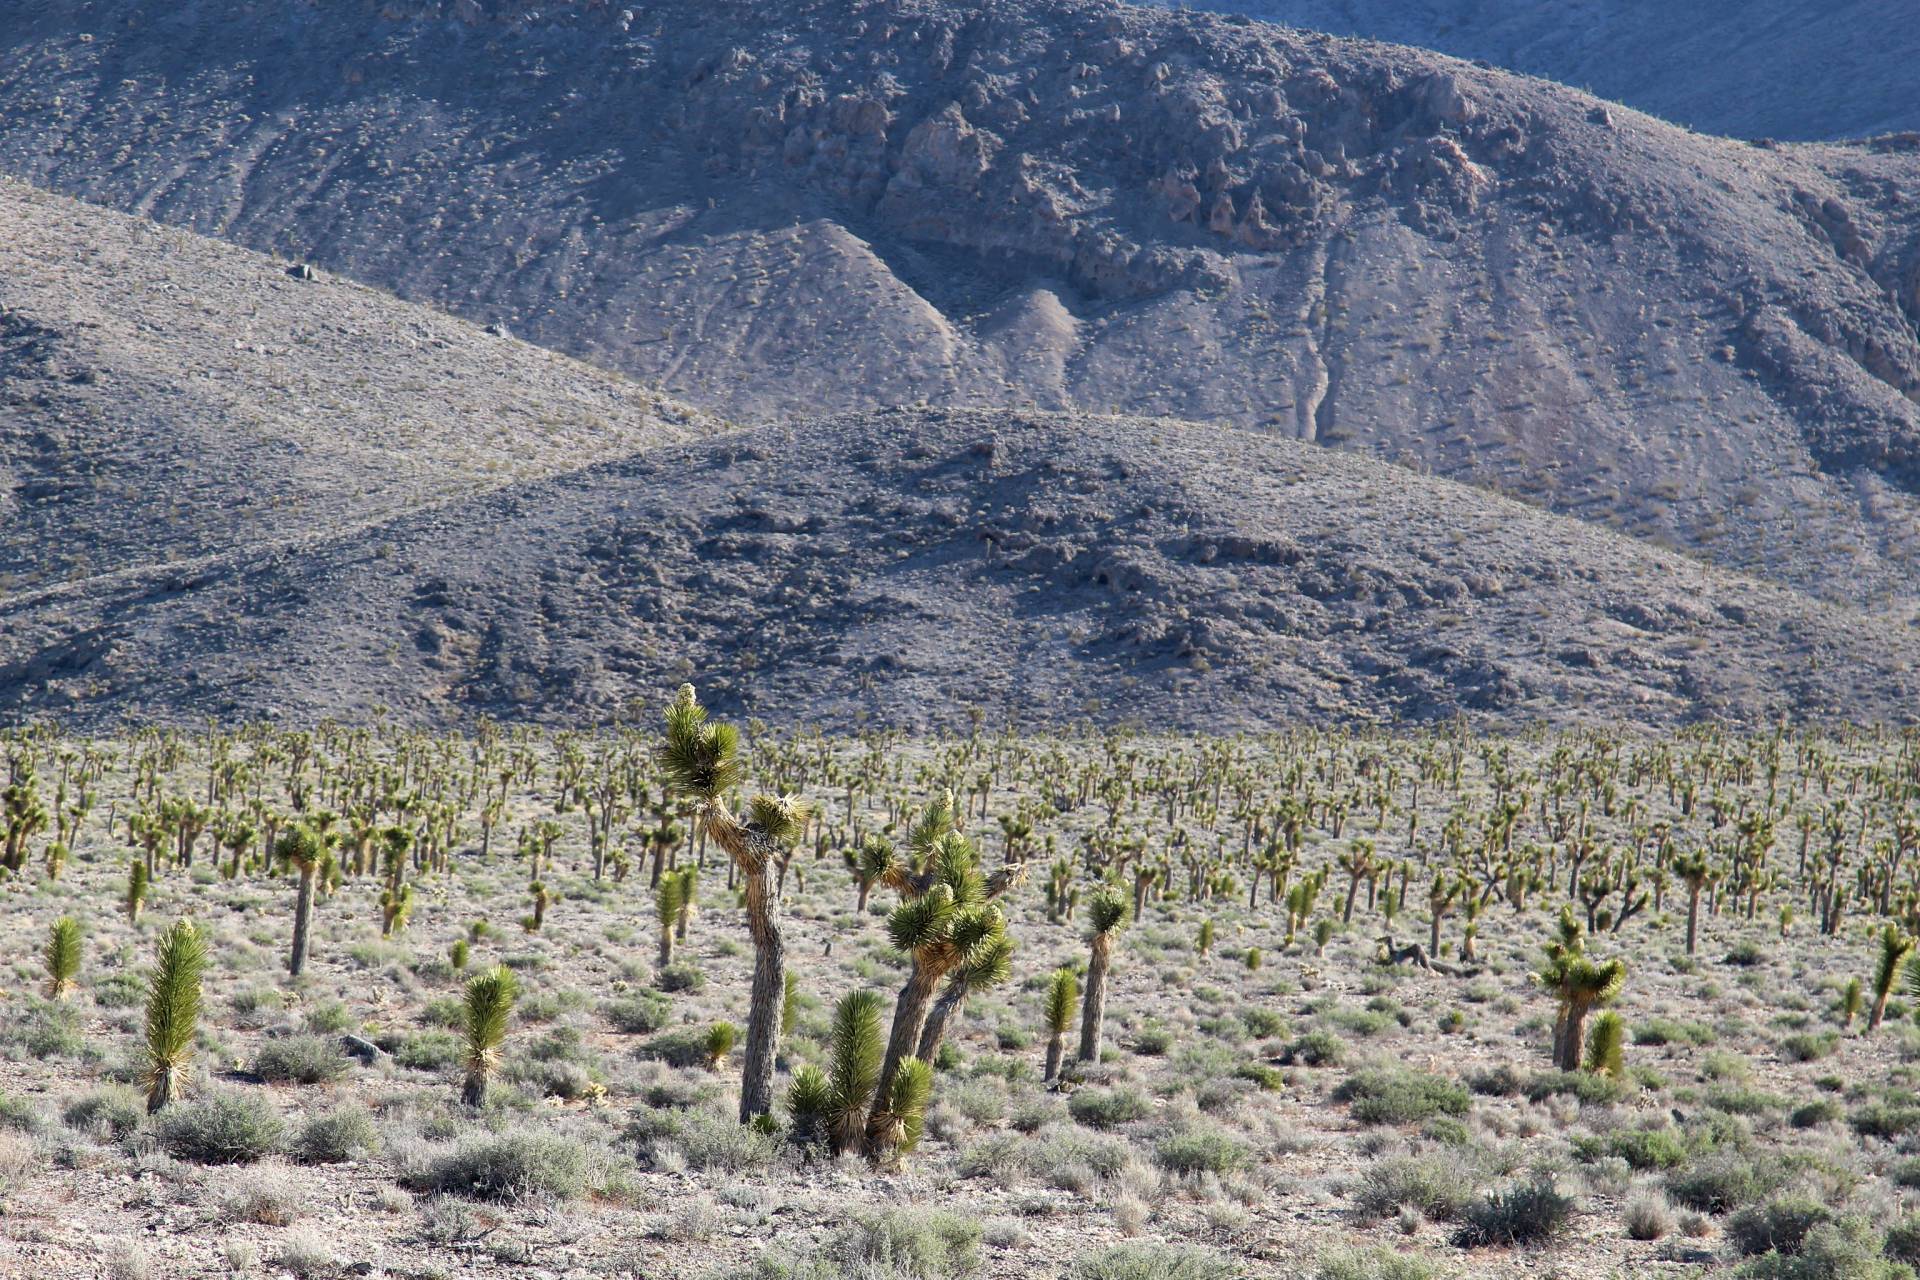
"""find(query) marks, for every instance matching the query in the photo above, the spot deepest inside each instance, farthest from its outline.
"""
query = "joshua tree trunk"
(909, 1018)
(666, 945)
(1093, 1013)
(754, 855)
(302, 920)
(1056, 1050)
(945, 1010)
(1568, 1036)
(1693, 917)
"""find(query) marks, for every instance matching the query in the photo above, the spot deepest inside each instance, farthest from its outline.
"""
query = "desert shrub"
(1152, 1042)
(1903, 1241)
(345, 1133)
(112, 1112)
(1001, 1156)
(507, 1166)
(1847, 1249)
(120, 989)
(1779, 1226)
(1268, 1078)
(1742, 1101)
(46, 1029)
(1526, 1213)
(1315, 1049)
(429, 1051)
(1648, 1217)
(637, 1015)
(1664, 1031)
(1886, 1118)
(715, 1142)
(1200, 1150)
(301, 1060)
(681, 1047)
(681, 975)
(1746, 954)
(1502, 1081)
(1394, 1096)
(1725, 1179)
(221, 1128)
(1821, 1111)
(20, 1115)
(1439, 1186)
(1807, 1047)
(1108, 1108)
(329, 1017)
(1375, 1264)
(908, 1243)
(1153, 1262)
(1586, 1086)
(1066, 1157)
(1643, 1149)
(1263, 1023)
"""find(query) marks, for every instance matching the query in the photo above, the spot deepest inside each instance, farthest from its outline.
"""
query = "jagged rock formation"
(1790, 69)
(1064, 204)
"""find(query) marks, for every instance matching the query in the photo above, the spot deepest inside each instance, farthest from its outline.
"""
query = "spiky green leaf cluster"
(1574, 976)
(1107, 911)
(719, 1043)
(903, 1112)
(782, 818)
(173, 1008)
(62, 956)
(698, 758)
(300, 847)
(1063, 994)
(487, 1004)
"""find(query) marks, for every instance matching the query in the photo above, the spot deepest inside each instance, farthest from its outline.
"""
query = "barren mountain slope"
(902, 566)
(1802, 69)
(1064, 203)
(163, 396)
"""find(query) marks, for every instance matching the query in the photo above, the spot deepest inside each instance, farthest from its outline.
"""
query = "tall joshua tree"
(488, 1003)
(701, 760)
(1580, 984)
(1062, 993)
(62, 957)
(303, 850)
(1106, 914)
(949, 922)
(173, 1011)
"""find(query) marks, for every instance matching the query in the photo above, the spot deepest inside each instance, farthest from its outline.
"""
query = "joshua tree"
(542, 899)
(719, 1043)
(137, 882)
(304, 850)
(488, 1004)
(989, 966)
(899, 1111)
(1895, 947)
(701, 760)
(62, 957)
(948, 923)
(831, 1106)
(173, 1011)
(1580, 984)
(1850, 1003)
(668, 898)
(1106, 914)
(1062, 993)
(1204, 945)
(1606, 1045)
(1696, 874)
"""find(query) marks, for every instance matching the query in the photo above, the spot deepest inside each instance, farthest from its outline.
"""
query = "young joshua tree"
(701, 760)
(1580, 984)
(1895, 947)
(1106, 914)
(303, 850)
(173, 1012)
(488, 1004)
(137, 883)
(831, 1106)
(62, 957)
(668, 899)
(1062, 993)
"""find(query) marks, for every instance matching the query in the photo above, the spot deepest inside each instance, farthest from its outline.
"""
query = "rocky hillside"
(1791, 69)
(1065, 204)
(164, 397)
(897, 568)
